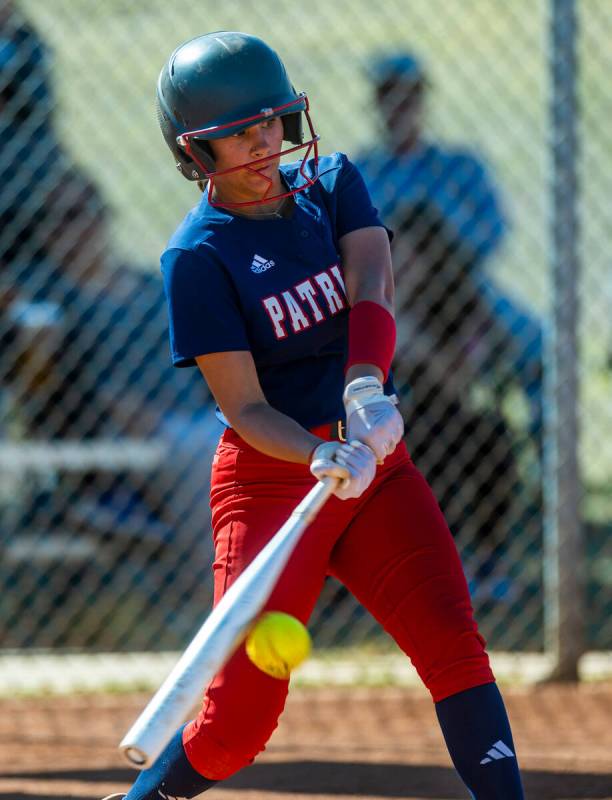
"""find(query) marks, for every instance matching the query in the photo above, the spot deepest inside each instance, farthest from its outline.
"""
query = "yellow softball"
(277, 643)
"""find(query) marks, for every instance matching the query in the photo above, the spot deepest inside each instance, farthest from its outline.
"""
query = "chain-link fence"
(105, 451)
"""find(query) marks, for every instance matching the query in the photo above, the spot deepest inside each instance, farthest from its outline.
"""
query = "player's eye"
(268, 123)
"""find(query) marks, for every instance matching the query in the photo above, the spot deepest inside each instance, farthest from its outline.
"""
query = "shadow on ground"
(342, 778)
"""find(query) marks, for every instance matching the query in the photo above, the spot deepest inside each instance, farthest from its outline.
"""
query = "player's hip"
(240, 472)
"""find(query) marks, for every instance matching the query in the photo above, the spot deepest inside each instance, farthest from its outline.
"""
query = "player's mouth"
(267, 169)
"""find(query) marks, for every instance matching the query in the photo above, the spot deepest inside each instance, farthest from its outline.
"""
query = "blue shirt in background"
(452, 183)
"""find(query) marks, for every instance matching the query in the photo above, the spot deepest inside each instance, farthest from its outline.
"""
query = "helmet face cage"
(186, 141)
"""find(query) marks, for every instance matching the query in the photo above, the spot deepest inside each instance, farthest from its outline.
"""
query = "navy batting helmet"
(218, 84)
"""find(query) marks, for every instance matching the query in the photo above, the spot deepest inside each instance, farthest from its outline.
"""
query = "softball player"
(279, 288)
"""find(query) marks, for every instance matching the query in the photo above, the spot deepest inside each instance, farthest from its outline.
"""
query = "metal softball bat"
(219, 636)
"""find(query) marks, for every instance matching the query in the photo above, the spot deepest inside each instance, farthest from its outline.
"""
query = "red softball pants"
(390, 547)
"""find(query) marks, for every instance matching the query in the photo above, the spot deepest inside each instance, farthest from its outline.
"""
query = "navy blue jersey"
(273, 287)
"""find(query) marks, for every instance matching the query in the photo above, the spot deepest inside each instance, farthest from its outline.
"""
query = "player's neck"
(280, 209)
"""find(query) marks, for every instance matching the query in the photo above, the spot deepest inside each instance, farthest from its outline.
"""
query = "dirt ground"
(361, 743)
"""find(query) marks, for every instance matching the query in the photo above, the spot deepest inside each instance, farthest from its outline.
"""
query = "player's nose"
(260, 141)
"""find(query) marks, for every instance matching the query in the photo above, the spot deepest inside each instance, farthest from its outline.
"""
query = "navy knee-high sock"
(477, 733)
(171, 776)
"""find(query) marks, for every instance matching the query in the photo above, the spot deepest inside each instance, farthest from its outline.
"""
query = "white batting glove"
(354, 464)
(371, 416)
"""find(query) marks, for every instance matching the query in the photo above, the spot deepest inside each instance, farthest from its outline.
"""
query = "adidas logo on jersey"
(497, 752)
(261, 264)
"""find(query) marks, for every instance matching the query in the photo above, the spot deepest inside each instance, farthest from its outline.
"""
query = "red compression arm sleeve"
(371, 336)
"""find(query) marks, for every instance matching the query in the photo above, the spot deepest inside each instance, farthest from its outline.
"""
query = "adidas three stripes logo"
(260, 264)
(498, 751)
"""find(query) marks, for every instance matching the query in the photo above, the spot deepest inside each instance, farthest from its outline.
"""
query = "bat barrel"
(219, 636)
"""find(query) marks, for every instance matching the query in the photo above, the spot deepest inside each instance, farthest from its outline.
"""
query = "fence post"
(563, 541)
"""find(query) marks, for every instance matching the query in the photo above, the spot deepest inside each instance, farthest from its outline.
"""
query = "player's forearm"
(273, 433)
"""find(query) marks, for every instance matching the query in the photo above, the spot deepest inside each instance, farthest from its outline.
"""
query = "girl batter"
(280, 288)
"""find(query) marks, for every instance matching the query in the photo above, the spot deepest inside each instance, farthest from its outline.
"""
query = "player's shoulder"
(333, 163)
(195, 231)
(181, 263)
(192, 243)
(328, 168)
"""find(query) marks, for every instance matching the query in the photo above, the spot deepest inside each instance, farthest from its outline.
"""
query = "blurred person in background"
(109, 320)
(22, 60)
(457, 329)
(120, 348)
(31, 159)
(75, 325)
(31, 164)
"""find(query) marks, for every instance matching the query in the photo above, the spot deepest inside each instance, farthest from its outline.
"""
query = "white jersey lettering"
(323, 295)
(299, 321)
(335, 271)
(276, 314)
(306, 291)
(334, 302)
